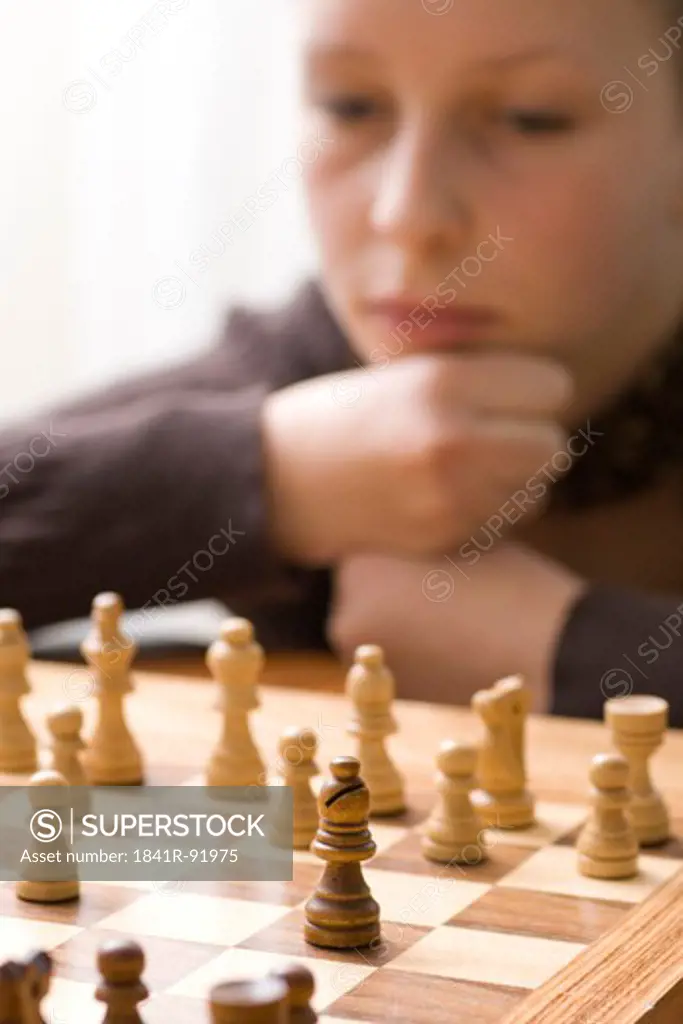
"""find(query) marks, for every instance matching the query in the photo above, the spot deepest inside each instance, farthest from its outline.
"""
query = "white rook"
(638, 725)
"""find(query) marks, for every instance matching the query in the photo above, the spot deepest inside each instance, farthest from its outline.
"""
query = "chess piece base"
(350, 938)
(468, 854)
(350, 925)
(650, 820)
(121, 777)
(48, 892)
(112, 771)
(513, 811)
(625, 867)
(338, 921)
(218, 778)
(387, 805)
(654, 836)
(222, 771)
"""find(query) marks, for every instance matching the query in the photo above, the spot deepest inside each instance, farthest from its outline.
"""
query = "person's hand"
(409, 459)
(448, 628)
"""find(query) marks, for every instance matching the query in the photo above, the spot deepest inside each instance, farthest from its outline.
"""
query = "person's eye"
(349, 109)
(536, 122)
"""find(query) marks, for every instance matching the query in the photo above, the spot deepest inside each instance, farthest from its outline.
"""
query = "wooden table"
(510, 904)
(316, 671)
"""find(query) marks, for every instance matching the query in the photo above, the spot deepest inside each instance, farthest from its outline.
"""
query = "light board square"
(194, 918)
(332, 978)
(19, 935)
(468, 954)
(555, 870)
(68, 1001)
(419, 899)
(553, 821)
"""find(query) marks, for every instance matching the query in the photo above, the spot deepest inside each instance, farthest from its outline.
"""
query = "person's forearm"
(155, 485)
(161, 501)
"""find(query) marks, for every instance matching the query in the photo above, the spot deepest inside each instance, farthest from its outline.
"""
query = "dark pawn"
(342, 914)
(301, 985)
(261, 1001)
(121, 964)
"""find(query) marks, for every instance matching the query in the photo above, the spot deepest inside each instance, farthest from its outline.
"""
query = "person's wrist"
(285, 514)
(296, 494)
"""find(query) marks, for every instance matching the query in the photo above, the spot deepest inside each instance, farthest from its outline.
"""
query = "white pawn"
(57, 881)
(64, 725)
(297, 752)
(112, 758)
(638, 726)
(17, 742)
(453, 831)
(607, 844)
(370, 687)
(235, 661)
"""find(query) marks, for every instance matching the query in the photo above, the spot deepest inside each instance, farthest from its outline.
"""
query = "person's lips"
(437, 327)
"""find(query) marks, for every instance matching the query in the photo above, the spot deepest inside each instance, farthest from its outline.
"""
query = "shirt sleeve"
(155, 487)
(617, 642)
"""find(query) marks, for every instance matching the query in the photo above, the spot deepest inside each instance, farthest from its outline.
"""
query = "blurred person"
(463, 440)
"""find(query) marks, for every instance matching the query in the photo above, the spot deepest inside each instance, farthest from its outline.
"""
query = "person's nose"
(420, 198)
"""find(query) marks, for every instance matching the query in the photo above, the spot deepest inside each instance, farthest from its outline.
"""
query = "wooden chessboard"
(520, 938)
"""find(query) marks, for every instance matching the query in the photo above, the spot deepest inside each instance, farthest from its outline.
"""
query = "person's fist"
(447, 628)
(412, 458)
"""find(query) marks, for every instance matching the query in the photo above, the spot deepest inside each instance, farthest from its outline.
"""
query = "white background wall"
(131, 133)
(33, 219)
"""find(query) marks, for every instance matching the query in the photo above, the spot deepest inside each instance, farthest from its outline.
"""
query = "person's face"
(526, 157)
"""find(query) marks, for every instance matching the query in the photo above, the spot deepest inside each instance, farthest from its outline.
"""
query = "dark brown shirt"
(154, 488)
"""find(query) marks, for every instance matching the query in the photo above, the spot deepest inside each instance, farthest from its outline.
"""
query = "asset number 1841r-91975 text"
(211, 856)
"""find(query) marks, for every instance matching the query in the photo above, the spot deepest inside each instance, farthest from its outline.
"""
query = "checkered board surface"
(466, 943)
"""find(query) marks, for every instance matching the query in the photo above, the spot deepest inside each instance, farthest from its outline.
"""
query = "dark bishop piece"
(342, 914)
